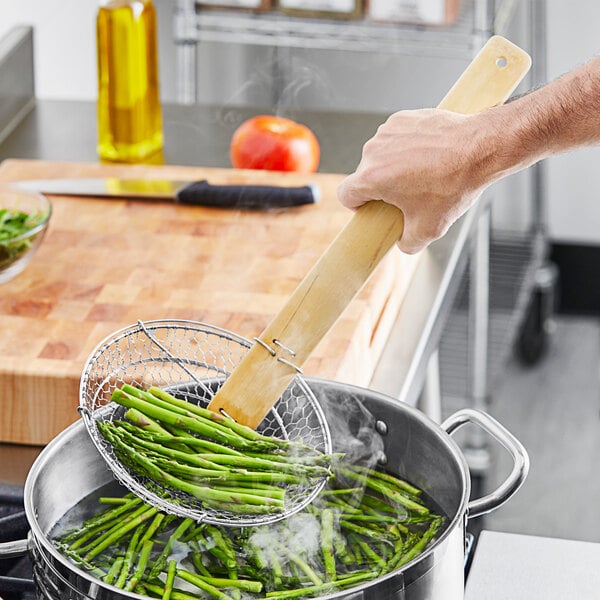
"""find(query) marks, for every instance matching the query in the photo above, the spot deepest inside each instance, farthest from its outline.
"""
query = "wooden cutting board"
(106, 263)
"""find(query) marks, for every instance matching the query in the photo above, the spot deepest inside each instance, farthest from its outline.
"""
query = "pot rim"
(455, 520)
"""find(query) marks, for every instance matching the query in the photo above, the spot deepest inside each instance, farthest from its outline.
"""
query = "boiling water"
(300, 531)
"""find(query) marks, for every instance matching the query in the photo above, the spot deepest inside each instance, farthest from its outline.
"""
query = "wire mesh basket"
(191, 360)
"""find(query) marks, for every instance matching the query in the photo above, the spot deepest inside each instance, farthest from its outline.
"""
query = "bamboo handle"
(262, 376)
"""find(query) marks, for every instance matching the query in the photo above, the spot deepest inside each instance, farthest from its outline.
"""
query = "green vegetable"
(143, 559)
(327, 534)
(355, 535)
(227, 467)
(13, 225)
(171, 571)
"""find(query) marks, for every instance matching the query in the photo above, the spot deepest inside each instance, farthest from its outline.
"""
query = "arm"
(433, 164)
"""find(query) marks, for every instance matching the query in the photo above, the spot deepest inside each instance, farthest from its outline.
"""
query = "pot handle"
(13, 549)
(520, 468)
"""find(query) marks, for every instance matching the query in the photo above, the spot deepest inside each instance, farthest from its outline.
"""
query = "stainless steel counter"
(199, 136)
(194, 135)
(509, 566)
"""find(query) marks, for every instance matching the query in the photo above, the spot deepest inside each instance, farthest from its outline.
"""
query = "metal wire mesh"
(514, 258)
(191, 360)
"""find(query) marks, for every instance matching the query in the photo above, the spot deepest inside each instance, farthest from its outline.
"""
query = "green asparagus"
(362, 533)
(178, 447)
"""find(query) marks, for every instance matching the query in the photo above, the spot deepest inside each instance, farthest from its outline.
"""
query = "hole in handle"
(501, 62)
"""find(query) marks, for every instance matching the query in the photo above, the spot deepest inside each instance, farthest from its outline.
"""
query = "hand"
(429, 163)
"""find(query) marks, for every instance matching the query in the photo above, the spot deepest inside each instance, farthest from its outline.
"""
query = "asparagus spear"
(110, 515)
(327, 544)
(120, 532)
(114, 571)
(158, 591)
(142, 563)
(161, 561)
(222, 542)
(317, 590)
(241, 584)
(192, 442)
(391, 479)
(417, 547)
(152, 529)
(203, 585)
(197, 562)
(302, 564)
(372, 557)
(275, 566)
(172, 569)
(112, 500)
(380, 486)
(227, 475)
(250, 462)
(111, 528)
(241, 430)
(128, 562)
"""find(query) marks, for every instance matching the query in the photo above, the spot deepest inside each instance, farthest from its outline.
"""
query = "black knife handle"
(246, 196)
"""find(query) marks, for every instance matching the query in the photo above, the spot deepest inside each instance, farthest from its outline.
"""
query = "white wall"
(65, 45)
(573, 179)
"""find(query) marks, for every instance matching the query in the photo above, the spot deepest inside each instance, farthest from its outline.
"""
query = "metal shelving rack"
(274, 28)
(503, 267)
(505, 304)
(476, 21)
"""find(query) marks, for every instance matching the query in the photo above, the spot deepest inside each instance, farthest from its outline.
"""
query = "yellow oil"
(129, 111)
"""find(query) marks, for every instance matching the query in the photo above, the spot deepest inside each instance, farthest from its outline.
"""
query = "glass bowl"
(24, 219)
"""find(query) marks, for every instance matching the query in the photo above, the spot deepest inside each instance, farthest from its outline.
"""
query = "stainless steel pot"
(69, 469)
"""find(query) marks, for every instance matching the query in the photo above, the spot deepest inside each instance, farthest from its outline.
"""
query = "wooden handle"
(262, 376)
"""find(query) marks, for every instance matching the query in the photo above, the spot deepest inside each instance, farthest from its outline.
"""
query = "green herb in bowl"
(23, 221)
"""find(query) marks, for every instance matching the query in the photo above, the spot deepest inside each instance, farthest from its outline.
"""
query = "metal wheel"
(538, 323)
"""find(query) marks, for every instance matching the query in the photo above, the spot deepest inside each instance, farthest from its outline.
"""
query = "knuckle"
(369, 145)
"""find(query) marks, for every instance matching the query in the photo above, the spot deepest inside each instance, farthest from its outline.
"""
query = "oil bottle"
(129, 111)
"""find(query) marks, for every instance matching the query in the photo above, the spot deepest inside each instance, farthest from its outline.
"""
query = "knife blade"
(202, 193)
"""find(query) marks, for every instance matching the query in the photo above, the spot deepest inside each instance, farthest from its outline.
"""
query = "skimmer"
(191, 360)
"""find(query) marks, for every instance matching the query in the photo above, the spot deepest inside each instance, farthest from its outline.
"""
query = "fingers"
(425, 228)
(409, 246)
(413, 241)
(349, 194)
(352, 196)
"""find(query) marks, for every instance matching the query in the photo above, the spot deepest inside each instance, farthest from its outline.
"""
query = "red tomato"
(276, 144)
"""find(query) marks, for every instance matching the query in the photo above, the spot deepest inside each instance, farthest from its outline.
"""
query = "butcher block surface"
(105, 263)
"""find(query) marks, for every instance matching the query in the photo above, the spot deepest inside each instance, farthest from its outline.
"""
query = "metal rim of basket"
(185, 505)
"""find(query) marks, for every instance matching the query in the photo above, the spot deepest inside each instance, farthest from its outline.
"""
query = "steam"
(354, 433)
(303, 77)
(353, 429)
(279, 82)
(298, 533)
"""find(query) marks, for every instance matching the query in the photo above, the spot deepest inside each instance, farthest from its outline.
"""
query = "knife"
(185, 192)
